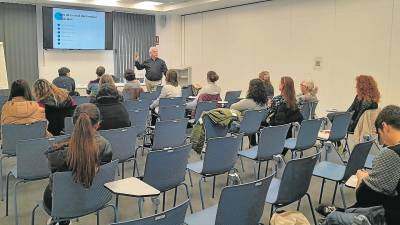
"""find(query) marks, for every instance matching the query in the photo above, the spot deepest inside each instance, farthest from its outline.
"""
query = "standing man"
(155, 68)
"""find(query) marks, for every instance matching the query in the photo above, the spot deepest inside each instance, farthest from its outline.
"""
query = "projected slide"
(78, 29)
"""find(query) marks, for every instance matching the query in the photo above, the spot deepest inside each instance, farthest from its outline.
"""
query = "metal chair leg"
(175, 194)
(163, 202)
(322, 190)
(259, 169)
(33, 214)
(334, 193)
(1, 177)
(312, 208)
(98, 217)
(298, 204)
(7, 190)
(201, 193)
(123, 170)
(140, 206)
(343, 198)
(15, 201)
(213, 189)
(190, 178)
(241, 162)
(189, 197)
(266, 168)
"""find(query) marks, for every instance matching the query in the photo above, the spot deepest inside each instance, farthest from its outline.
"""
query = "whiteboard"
(3, 68)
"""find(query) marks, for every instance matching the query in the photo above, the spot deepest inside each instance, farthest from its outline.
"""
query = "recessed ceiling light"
(148, 5)
(106, 2)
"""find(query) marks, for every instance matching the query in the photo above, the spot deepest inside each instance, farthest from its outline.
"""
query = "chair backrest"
(340, 125)
(137, 104)
(252, 121)
(308, 134)
(173, 101)
(305, 110)
(123, 142)
(187, 91)
(204, 107)
(213, 130)
(150, 96)
(272, 141)
(357, 159)
(166, 169)
(296, 179)
(138, 119)
(12, 133)
(3, 100)
(32, 162)
(221, 154)
(68, 125)
(169, 134)
(173, 216)
(313, 108)
(72, 200)
(243, 204)
(79, 100)
(176, 112)
(232, 97)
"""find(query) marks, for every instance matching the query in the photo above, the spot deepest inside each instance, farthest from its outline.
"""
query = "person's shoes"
(325, 210)
(51, 222)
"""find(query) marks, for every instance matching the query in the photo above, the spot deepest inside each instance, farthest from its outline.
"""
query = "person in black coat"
(56, 102)
(113, 113)
(283, 109)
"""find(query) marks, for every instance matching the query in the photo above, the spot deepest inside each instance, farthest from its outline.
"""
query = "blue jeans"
(374, 214)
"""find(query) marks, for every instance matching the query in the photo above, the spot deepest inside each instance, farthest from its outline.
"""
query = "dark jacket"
(65, 82)
(269, 89)
(279, 113)
(56, 112)
(154, 68)
(358, 107)
(113, 113)
(58, 152)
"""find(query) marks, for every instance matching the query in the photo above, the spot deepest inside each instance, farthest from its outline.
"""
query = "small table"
(352, 182)
(132, 187)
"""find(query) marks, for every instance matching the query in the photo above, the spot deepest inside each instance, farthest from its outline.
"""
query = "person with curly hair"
(256, 97)
(367, 98)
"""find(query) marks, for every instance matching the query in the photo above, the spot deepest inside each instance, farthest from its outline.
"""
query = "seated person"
(65, 81)
(56, 102)
(170, 89)
(108, 79)
(21, 108)
(367, 98)
(308, 92)
(210, 89)
(132, 88)
(93, 85)
(82, 153)
(113, 113)
(256, 97)
(283, 108)
(380, 186)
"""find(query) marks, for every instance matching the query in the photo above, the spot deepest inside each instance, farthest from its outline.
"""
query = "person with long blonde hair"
(82, 153)
(57, 103)
(367, 98)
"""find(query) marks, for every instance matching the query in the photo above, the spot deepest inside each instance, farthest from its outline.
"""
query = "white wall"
(82, 63)
(169, 29)
(352, 37)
